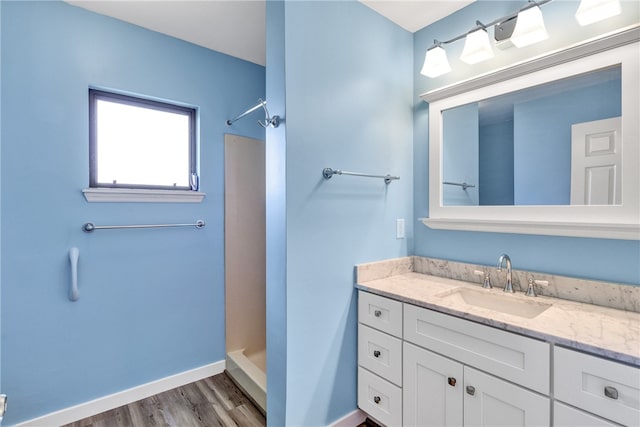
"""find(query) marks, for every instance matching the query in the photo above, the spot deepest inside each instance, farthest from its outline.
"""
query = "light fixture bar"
(437, 43)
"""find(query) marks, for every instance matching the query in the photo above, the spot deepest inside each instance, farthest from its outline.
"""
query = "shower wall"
(245, 247)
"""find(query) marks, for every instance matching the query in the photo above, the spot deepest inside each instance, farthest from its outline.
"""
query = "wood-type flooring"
(212, 402)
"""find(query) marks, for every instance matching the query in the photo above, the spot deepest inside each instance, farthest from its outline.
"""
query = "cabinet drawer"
(379, 398)
(566, 416)
(603, 387)
(519, 359)
(380, 353)
(380, 313)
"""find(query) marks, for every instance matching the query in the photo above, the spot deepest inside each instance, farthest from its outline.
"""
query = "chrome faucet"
(504, 257)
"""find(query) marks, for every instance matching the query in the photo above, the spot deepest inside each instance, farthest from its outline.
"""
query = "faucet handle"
(530, 291)
(486, 283)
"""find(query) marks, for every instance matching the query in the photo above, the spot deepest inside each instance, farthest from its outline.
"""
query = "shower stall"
(245, 265)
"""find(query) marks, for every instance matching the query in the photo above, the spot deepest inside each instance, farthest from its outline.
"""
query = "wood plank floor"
(214, 401)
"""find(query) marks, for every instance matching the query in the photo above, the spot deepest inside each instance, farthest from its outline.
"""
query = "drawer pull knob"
(451, 381)
(377, 313)
(471, 390)
(611, 392)
(376, 399)
(376, 353)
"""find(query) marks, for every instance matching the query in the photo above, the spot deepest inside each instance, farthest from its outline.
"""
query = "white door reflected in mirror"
(596, 162)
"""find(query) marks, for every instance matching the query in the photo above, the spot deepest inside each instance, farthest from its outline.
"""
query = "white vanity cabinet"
(420, 367)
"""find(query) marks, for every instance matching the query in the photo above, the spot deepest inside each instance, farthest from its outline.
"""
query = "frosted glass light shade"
(591, 11)
(435, 62)
(477, 47)
(530, 28)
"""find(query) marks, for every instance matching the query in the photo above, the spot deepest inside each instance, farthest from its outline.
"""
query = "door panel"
(596, 162)
(432, 389)
(489, 401)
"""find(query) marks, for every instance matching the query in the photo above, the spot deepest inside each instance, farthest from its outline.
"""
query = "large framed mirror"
(548, 147)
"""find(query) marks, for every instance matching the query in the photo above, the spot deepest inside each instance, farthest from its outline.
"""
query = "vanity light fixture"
(435, 61)
(529, 28)
(591, 11)
(477, 47)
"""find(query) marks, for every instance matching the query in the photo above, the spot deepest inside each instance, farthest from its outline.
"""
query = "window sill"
(142, 196)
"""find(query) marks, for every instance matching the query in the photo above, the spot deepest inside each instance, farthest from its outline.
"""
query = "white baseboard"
(112, 401)
(352, 419)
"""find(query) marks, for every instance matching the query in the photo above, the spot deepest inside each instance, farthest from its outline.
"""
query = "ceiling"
(237, 27)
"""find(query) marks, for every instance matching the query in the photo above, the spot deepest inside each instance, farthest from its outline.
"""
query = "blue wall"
(460, 155)
(151, 301)
(542, 135)
(601, 259)
(496, 163)
(348, 100)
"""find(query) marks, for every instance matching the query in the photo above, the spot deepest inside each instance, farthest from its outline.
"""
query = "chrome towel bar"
(273, 121)
(464, 185)
(89, 226)
(327, 173)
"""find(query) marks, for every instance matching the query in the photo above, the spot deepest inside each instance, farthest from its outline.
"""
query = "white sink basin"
(491, 300)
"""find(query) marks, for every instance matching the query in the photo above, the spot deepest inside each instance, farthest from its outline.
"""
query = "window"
(137, 143)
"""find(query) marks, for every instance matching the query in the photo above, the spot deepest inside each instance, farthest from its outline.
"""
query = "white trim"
(354, 418)
(141, 195)
(112, 401)
(602, 231)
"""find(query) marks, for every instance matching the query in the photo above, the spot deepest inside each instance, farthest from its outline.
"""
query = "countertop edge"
(553, 339)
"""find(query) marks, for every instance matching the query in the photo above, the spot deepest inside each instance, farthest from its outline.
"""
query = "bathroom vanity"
(440, 351)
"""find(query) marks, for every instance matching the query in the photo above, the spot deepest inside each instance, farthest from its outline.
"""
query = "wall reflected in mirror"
(553, 144)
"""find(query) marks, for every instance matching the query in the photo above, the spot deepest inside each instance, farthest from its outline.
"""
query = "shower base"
(248, 372)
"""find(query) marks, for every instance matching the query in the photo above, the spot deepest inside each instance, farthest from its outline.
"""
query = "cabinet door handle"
(471, 390)
(377, 313)
(451, 381)
(376, 353)
(376, 399)
(611, 392)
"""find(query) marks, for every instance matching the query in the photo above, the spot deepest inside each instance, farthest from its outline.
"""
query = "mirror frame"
(602, 221)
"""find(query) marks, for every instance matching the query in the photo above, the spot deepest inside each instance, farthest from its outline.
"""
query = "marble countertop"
(602, 331)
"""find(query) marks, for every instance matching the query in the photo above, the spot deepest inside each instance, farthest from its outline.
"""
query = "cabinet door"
(489, 401)
(432, 389)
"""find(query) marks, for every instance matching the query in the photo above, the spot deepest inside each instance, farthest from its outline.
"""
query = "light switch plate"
(400, 228)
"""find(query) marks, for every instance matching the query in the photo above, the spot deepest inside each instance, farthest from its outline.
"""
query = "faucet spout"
(508, 287)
